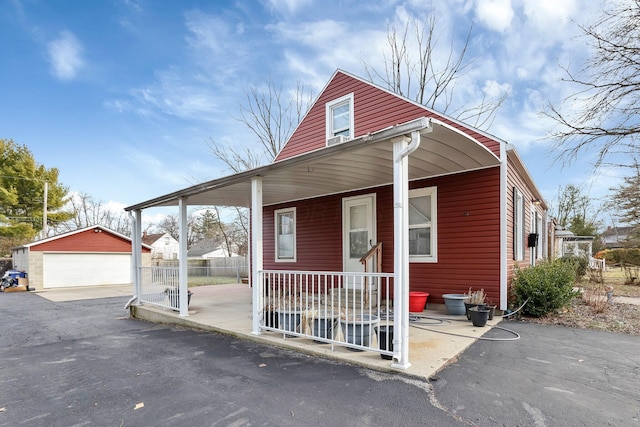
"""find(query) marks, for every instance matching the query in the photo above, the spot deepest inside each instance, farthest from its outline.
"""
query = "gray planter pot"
(454, 304)
(359, 330)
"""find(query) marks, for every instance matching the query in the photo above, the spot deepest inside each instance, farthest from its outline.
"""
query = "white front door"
(358, 230)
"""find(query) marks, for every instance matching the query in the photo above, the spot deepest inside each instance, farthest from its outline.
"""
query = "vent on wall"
(339, 139)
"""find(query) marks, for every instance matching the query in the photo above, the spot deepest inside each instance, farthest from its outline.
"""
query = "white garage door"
(62, 270)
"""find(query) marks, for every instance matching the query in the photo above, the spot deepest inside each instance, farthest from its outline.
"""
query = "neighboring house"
(616, 237)
(368, 166)
(90, 256)
(209, 248)
(568, 244)
(163, 245)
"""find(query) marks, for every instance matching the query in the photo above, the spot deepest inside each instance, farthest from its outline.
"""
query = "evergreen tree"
(22, 188)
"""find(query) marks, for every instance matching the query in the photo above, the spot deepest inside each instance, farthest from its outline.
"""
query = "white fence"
(232, 268)
(347, 309)
(598, 264)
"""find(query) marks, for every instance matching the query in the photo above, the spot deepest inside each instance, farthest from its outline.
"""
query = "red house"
(446, 207)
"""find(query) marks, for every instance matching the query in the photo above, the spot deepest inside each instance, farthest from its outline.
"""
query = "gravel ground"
(615, 317)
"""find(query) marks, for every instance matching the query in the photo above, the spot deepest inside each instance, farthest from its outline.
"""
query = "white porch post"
(257, 306)
(400, 256)
(136, 253)
(183, 280)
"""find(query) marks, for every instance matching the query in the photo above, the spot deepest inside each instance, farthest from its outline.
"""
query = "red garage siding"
(468, 234)
(87, 241)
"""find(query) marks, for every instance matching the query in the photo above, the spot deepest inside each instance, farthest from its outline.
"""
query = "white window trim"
(275, 232)
(518, 225)
(329, 115)
(433, 192)
(541, 236)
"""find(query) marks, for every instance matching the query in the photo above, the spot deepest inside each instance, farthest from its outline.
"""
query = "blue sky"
(123, 96)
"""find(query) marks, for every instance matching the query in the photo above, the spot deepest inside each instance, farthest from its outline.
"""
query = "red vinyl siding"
(468, 234)
(87, 241)
(374, 109)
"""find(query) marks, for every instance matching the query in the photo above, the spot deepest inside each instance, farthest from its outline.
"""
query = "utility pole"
(44, 211)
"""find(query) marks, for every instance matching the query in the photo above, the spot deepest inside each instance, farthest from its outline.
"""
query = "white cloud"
(287, 7)
(65, 55)
(550, 15)
(176, 94)
(208, 32)
(153, 168)
(495, 14)
(493, 89)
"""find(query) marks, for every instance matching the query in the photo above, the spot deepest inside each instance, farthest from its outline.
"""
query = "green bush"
(580, 264)
(620, 256)
(548, 287)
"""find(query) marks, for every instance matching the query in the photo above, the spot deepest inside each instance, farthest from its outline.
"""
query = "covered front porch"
(417, 149)
(435, 339)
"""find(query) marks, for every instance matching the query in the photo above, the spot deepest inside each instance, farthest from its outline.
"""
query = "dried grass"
(598, 298)
(475, 297)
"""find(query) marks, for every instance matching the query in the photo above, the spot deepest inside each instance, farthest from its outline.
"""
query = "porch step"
(350, 298)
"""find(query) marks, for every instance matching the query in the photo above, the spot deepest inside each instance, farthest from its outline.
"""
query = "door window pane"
(358, 243)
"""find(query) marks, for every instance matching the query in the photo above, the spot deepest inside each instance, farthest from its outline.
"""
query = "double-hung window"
(340, 118)
(285, 228)
(422, 225)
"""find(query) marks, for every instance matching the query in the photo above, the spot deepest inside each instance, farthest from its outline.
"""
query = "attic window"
(340, 119)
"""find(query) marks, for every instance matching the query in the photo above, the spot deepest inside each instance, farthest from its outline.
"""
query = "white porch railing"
(159, 286)
(340, 308)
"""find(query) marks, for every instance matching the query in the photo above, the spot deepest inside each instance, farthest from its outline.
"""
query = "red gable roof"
(375, 109)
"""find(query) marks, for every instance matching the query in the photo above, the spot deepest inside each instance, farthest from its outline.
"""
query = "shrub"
(579, 264)
(548, 287)
(620, 256)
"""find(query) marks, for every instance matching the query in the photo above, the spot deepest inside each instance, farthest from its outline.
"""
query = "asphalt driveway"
(86, 363)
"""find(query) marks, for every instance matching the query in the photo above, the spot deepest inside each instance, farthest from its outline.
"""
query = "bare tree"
(87, 212)
(575, 211)
(171, 225)
(411, 70)
(271, 114)
(604, 113)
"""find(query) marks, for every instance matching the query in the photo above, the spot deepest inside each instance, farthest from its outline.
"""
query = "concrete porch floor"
(227, 309)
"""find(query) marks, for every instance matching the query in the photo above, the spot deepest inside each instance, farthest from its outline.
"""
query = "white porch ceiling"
(360, 163)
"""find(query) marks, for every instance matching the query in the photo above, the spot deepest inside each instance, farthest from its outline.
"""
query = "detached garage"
(85, 257)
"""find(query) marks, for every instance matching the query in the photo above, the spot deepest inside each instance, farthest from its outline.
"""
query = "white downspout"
(401, 152)
(503, 226)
